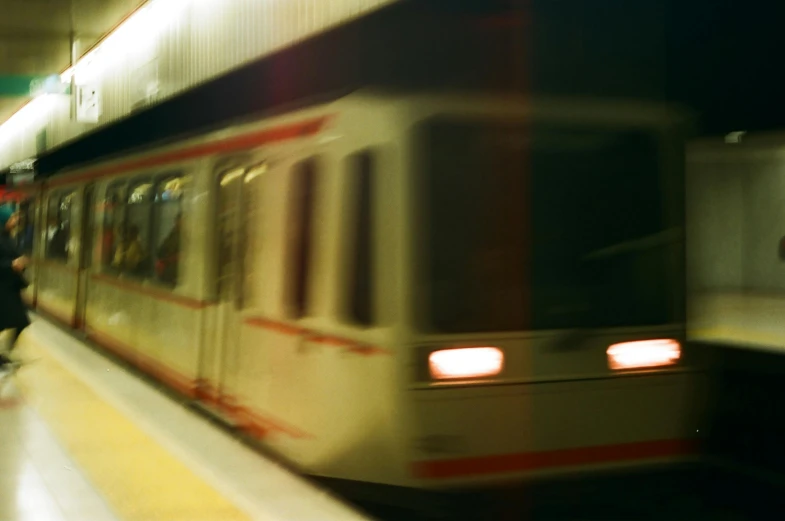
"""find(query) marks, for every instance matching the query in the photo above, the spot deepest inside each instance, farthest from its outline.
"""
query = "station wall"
(171, 47)
(736, 220)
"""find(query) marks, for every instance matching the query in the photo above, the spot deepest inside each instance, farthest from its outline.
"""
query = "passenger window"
(301, 214)
(88, 226)
(51, 225)
(362, 166)
(132, 254)
(25, 234)
(112, 226)
(58, 230)
(167, 222)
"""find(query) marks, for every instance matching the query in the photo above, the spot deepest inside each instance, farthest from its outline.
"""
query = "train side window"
(301, 215)
(52, 228)
(25, 231)
(362, 167)
(88, 226)
(132, 254)
(58, 229)
(111, 230)
(167, 221)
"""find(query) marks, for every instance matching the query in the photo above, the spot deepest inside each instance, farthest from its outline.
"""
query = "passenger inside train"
(129, 255)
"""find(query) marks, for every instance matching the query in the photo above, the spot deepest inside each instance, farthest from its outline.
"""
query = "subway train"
(433, 291)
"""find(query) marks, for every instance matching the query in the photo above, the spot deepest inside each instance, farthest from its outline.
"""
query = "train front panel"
(547, 304)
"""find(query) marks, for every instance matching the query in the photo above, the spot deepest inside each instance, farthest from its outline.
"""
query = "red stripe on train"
(253, 422)
(351, 346)
(157, 294)
(530, 461)
(286, 132)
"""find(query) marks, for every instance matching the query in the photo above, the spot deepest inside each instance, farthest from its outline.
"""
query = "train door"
(237, 212)
(85, 253)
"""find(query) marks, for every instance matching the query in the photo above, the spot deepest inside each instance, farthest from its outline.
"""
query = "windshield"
(540, 227)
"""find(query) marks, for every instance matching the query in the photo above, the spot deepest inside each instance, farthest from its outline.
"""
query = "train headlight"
(644, 354)
(465, 362)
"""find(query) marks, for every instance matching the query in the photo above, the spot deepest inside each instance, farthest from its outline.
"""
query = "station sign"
(88, 104)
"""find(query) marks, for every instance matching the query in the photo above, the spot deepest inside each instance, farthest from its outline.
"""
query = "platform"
(743, 320)
(83, 439)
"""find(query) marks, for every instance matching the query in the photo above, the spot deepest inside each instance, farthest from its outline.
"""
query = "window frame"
(57, 197)
(124, 188)
(118, 215)
(131, 183)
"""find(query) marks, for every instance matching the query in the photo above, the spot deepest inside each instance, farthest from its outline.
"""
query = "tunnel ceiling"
(35, 36)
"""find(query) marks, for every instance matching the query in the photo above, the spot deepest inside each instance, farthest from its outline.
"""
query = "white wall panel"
(715, 224)
(205, 39)
(764, 225)
(736, 219)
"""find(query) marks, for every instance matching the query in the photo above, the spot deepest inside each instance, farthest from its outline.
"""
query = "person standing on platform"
(13, 313)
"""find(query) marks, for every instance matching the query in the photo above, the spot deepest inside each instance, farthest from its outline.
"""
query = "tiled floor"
(82, 439)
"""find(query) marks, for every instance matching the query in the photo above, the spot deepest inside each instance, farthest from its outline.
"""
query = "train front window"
(540, 227)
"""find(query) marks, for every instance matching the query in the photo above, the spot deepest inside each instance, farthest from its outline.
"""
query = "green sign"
(28, 86)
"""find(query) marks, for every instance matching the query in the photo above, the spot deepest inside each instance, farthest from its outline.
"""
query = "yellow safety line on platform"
(139, 479)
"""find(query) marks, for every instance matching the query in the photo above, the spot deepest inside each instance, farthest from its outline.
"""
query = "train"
(426, 290)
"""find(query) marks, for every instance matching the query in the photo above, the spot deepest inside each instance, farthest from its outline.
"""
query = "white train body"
(304, 304)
